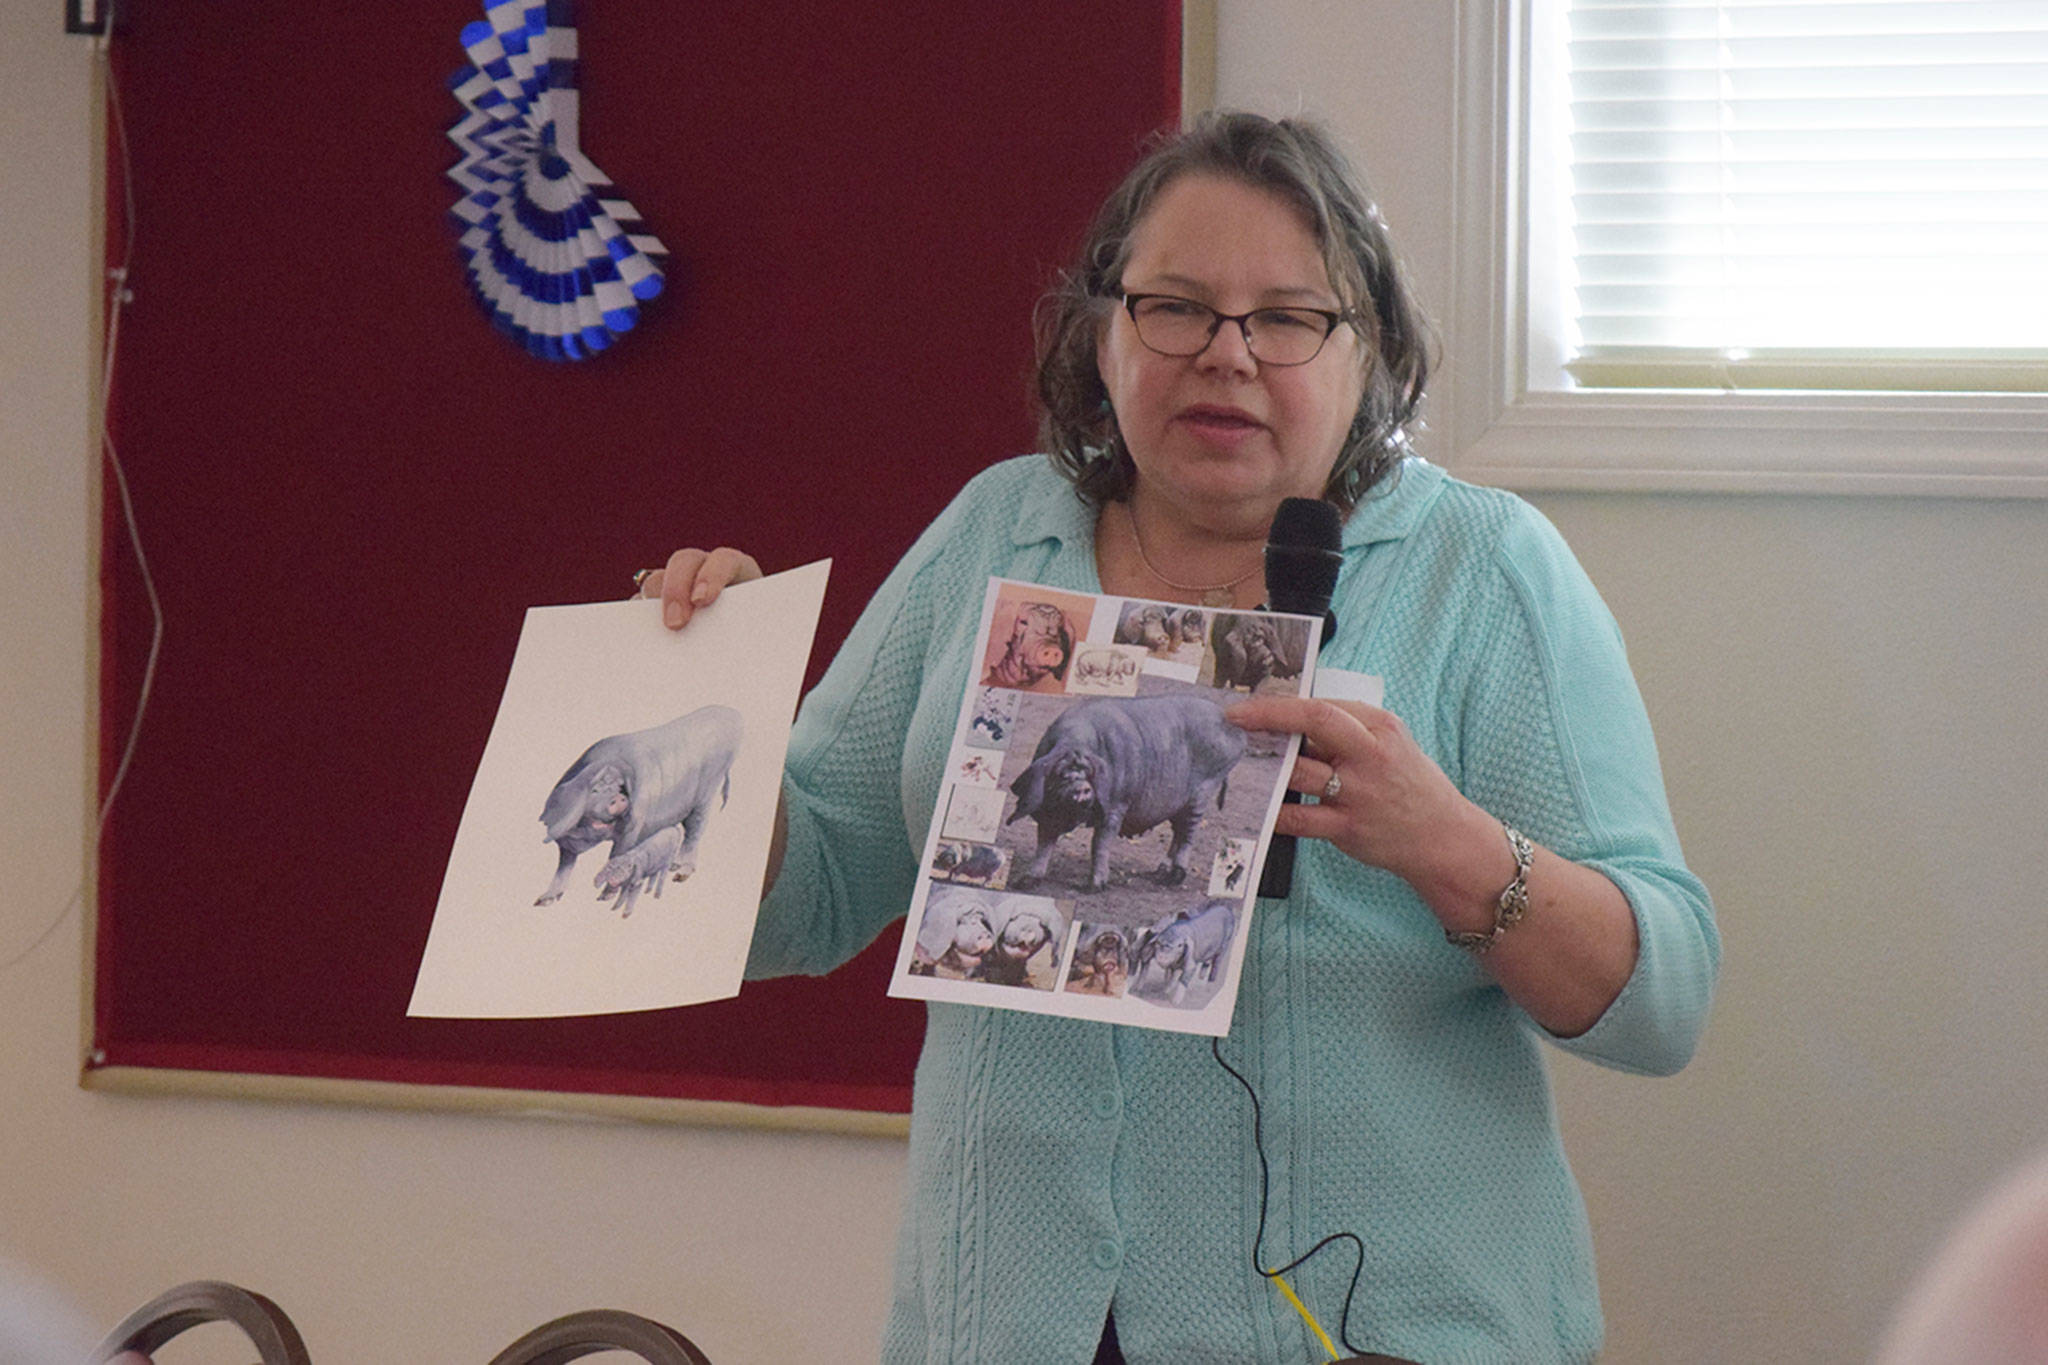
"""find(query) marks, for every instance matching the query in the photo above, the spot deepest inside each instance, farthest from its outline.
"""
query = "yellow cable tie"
(1302, 1309)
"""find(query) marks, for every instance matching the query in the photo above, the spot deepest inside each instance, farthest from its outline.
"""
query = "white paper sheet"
(1137, 690)
(586, 674)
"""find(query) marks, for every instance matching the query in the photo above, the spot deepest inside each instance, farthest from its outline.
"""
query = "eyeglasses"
(1274, 336)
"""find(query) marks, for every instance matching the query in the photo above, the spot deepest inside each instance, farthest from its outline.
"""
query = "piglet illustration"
(644, 868)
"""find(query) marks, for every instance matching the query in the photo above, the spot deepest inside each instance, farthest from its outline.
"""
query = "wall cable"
(119, 295)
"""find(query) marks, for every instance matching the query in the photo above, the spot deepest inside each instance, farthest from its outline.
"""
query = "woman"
(1490, 861)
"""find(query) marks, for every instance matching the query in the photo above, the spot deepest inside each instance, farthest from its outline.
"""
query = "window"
(1795, 245)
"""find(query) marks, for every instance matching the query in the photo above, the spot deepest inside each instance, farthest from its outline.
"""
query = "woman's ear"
(1105, 320)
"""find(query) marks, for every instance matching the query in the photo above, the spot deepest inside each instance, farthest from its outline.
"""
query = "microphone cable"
(1304, 554)
(1277, 1274)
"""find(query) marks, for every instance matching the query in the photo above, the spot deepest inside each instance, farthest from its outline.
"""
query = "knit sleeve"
(848, 867)
(1558, 744)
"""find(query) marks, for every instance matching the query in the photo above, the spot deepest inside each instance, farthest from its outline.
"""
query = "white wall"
(1849, 695)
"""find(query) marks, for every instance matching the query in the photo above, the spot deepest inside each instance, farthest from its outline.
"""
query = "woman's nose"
(1228, 351)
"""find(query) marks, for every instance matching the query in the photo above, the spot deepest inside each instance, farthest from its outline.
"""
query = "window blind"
(1834, 194)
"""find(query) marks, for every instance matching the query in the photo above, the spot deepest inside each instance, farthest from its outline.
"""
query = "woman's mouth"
(1218, 421)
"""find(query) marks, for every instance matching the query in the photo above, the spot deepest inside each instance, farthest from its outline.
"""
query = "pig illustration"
(644, 868)
(1099, 962)
(1250, 649)
(1040, 645)
(1231, 866)
(955, 932)
(628, 787)
(1018, 940)
(1104, 668)
(995, 711)
(592, 829)
(1123, 765)
(964, 862)
(1147, 624)
(1183, 946)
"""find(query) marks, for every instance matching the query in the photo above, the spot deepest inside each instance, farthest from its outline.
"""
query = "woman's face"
(1218, 438)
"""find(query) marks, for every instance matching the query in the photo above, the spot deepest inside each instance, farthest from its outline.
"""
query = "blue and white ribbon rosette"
(547, 258)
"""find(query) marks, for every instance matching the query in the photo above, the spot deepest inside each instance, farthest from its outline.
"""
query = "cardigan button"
(1106, 1104)
(1108, 1255)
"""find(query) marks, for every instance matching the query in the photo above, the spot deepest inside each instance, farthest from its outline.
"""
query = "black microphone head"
(1308, 522)
(1304, 551)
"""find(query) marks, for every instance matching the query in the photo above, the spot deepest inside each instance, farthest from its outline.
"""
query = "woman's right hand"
(693, 578)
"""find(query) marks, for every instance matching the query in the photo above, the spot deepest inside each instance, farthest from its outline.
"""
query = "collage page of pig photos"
(1100, 832)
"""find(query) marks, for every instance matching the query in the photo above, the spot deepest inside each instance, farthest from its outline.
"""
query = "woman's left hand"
(1380, 798)
(1391, 806)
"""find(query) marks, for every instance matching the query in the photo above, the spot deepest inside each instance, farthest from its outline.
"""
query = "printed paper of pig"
(1164, 631)
(995, 711)
(1101, 965)
(1106, 670)
(1150, 624)
(1024, 927)
(1228, 874)
(972, 935)
(958, 860)
(956, 932)
(1031, 638)
(1249, 648)
(1184, 948)
(1122, 766)
(649, 793)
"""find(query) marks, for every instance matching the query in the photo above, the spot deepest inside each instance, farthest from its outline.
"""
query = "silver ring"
(640, 578)
(1332, 787)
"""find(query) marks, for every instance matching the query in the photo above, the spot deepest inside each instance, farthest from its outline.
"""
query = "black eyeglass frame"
(1332, 320)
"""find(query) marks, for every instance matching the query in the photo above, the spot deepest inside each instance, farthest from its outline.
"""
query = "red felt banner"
(349, 487)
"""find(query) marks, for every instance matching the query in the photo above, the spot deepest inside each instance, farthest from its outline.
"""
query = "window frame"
(1505, 430)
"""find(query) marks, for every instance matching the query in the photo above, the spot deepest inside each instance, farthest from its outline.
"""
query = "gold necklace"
(1213, 594)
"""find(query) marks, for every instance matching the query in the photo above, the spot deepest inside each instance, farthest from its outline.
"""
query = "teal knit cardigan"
(1058, 1166)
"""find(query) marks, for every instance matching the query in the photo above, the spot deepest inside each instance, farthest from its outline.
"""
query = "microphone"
(1304, 551)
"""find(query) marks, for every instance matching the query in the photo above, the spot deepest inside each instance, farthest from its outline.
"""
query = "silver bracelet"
(1513, 902)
